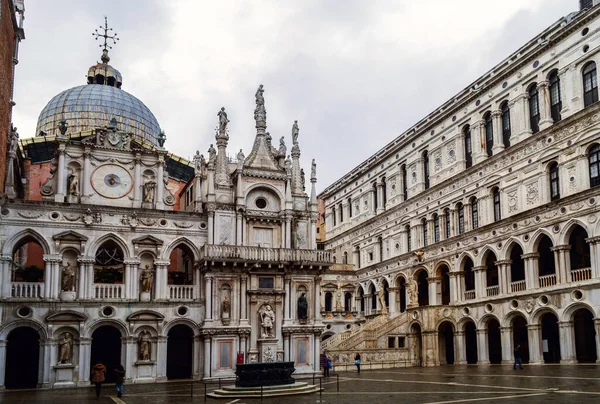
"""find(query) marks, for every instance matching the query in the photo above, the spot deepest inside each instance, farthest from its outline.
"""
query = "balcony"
(27, 289)
(547, 280)
(517, 286)
(113, 291)
(211, 252)
(583, 274)
(492, 290)
(181, 292)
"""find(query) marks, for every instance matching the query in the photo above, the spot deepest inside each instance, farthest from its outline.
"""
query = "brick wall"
(7, 35)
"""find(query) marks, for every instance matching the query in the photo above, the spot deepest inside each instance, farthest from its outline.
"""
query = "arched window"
(328, 301)
(555, 101)
(468, 149)
(436, 227)
(349, 207)
(505, 124)
(341, 213)
(425, 232)
(489, 133)
(357, 256)
(447, 217)
(109, 263)
(380, 245)
(334, 217)
(594, 160)
(383, 192)
(496, 199)
(554, 184)
(461, 218)
(404, 181)
(426, 168)
(590, 84)
(408, 238)
(345, 258)
(474, 212)
(347, 302)
(534, 108)
(375, 197)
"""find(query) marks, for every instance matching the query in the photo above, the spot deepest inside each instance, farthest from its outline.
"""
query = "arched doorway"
(181, 266)
(446, 343)
(180, 346)
(519, 328)
(550, 338)
(585, 336)
(423, 288)
(417, 344)
(444, 273)
(22, 358)
(106, 349)
(471, 342)
(494, 342)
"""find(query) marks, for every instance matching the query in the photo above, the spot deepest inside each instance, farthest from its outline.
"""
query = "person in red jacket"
(98, 376)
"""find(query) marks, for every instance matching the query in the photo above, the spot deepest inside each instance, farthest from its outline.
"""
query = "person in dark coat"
(357, 361)
(518, 359)
(119, 379)
(98, 376)
(325, 363)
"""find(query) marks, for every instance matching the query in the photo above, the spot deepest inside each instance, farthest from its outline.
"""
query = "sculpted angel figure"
(65, 347)
(260, 100)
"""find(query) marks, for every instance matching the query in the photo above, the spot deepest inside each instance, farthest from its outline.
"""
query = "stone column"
(392, 298)
(567, 342)
(534, 336)
(317, 350)
(532, 272)
(5, 281)
(130, 344)
(468, 213)
(459, 342)
(594, 243)
(526, 125)
(452, 222)
(161, 357)
(544, 97)
(433, 283)
(380, 207)
(85, 352)
(480, 289)
(211, 226)
(504, 275)
(497, 124)
(86, 175)
(160, 185)
(288, 298)
(47, 276)
(91, 294)
(61, 183)
(81, 286)
(507, 342)
(317, 300)
(478, 142)
(482, 347)
(288, 232)
(455, 289)
(207, 356)
(597, 338)
(238, 232)
(197, 362)
(161, 286)
(562, 263)
(244, 299)
(208, 298)
(138, 183)
(3, 361)
(442, 219)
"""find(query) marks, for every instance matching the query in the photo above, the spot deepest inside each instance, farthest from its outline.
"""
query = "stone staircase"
(372, 330)
(267, 391)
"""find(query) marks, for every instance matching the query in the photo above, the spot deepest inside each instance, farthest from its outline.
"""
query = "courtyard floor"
(447, 384)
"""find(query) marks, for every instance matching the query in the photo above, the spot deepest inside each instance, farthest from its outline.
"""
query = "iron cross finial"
(106, 35)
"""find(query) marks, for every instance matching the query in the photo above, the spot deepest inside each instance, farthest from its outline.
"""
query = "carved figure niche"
(68, 275)
(73, 182)
(145, 347)
(148, 188)
(302, 304)
(146, 269)
(65, 348)
(225, 299)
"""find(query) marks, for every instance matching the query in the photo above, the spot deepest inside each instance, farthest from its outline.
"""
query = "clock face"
(112, 181)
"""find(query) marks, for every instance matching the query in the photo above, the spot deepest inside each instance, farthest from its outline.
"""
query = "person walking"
(357, 361)
(326, 364)
(119, 379)
(518, 359)
(98, 375)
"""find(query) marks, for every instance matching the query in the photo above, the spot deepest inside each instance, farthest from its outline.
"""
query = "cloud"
(354, 75)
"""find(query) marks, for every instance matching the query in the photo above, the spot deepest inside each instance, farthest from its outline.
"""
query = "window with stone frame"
(425, 232)
(460, 208)
(425, 157)
(594, 162)
(590, 84)
(534, 108)
(554, 182)
(436, 227)
(555, 99)
(474, 212)
(468, 149)
(489, 133)
(506, 132)
(447, 219)
(496, 201)
(408, 238)
(404, 175)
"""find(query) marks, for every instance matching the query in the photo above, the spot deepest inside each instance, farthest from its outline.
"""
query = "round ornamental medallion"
(111, 181)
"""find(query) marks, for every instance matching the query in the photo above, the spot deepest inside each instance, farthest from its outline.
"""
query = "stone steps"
(267, 391)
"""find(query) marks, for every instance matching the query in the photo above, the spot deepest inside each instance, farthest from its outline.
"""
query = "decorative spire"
(107, 37)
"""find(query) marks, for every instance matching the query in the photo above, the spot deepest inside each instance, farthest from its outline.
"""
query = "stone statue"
(223, 121)
(302, 307)
(149, 186)
(68, 278)
(288, 166)
(282, 147)
(268, 138)
(260, 99)
(165, 177)
(145, 346)
(73, 181)
(212, 155)
(13, 140)
(295, 132)
(303, 179)
(241, 158)
(126, 141)
(202, 164)
(260, 113)
(267, 321)
(412, 292)
(226, 305)
(147, 277)
(65, 348)
(313, 170)
(381, 298)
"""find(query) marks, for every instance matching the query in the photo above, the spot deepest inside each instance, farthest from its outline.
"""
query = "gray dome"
(93, 106)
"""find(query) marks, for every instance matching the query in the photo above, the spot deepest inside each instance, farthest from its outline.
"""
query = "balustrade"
(212, 251)
(108, 291)
(469, 294)
(583, 274)
(493, 290)
(27, 289)
(517, 286)
(181, 292)
(547, 280)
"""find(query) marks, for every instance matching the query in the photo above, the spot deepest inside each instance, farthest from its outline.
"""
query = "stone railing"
(517, 286)
(234, 252)
(372, 330)
(108, 291)
(583, 274)
(181, 292)
(469, 294)
(342, 267)
(547, 280)
(492, 290)
(27, 289)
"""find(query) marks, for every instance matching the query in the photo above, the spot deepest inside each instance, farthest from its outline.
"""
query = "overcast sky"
(354, 73)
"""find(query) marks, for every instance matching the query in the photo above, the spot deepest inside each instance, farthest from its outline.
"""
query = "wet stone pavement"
(448, 384)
